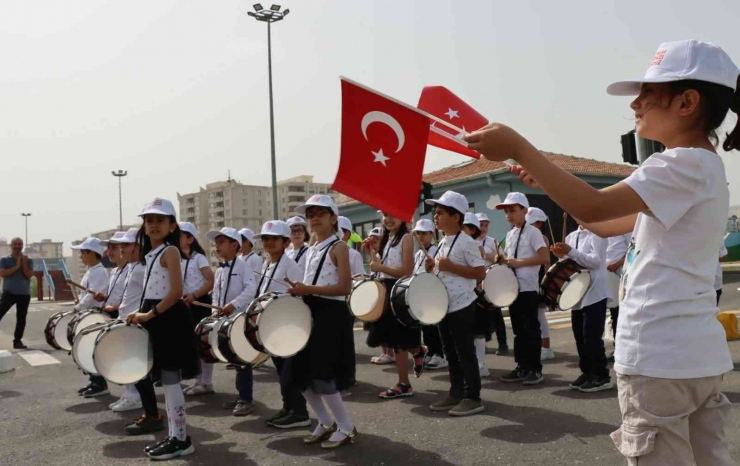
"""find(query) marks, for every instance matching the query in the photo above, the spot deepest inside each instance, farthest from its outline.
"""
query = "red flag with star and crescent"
(384, 145)
(442, 103)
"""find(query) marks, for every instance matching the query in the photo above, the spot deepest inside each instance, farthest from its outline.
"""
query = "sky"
(176, 92)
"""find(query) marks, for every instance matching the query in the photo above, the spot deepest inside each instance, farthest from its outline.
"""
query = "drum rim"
(75, 345)
(381, 290)
(259, 339)
(49, 329)
(438, 280)
(568, 282)
(516, 281)
(65, 332)
(111, 328)
(215, 350)
(232, 320)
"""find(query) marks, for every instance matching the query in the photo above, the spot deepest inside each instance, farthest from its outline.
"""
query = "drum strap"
(264, 272)
(300, 254)
(113, 286)
(222, 297)
(149, 272)
(187, 263)
(449, 251)
(578, 237)
(326, 250)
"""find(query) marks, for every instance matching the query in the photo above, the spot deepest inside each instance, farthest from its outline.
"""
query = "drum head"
(213, 339)
(427, 298)
(574, 290)
(123, 354)
(613, 300)
(501, 285)
(84, 347)
(238, 341)
(364, 298)
(60, 332)
(91, 319)
(284, 326)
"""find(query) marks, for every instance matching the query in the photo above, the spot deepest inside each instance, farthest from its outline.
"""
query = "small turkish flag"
(384, 143)
(442, 103)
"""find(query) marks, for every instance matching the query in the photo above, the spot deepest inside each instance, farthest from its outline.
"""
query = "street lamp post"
(120, 174)
(25, 216)
(270, 16)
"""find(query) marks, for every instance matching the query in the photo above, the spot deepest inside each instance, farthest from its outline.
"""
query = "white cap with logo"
(319, 200)
(227, 232)
(424, 225)
(189, 228)
(129, 237)
(116, 235)
(345, 224)
(247, 233)
(681, 60)
(374, 232)
(92, 244)
(535, 215)
(297, 220)
(158, 206)
(274, 228)
(451, 199)
(514, 198)
(482, 217)
(471, 219)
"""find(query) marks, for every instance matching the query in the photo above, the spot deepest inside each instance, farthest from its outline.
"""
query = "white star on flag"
(379, 157)
(461, 133)
(452, 113)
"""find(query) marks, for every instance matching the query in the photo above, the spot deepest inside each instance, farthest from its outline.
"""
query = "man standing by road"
(16, 271)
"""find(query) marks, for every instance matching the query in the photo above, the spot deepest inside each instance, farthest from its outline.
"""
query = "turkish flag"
(442, 103)
(384, 143)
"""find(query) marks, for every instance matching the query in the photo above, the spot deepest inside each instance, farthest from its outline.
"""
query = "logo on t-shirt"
(632, 254)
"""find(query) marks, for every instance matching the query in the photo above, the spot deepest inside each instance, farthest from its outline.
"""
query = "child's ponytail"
(733, 139)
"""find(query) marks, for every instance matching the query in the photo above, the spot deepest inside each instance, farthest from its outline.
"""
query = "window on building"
(259, 203)
(311, 189)
(259, 212)
(259, 193)
(244, 212)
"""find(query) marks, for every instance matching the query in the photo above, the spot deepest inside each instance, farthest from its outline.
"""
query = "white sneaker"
(127, 405)
(200, 389)
(385, 359)
(484, 372)
(375, 359)
(547, 353)
(436, 362)
(117, 402)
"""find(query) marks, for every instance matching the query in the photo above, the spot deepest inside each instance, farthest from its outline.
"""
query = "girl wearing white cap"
(324, 367)
(298, 239)
(170, 326)
(537, 218)
(491, 256)
(669, 389)
(247, 254)
(197, 279)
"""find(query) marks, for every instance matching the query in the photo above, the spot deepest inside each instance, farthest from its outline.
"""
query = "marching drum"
(123, 353)
(614, 281)
(419, 299)
(501, 286)
(202, 332)
(82, 320)
(278, 324)
(565, 284)
(233, 343)
(55, 331)
(84, 346)
(366, 301)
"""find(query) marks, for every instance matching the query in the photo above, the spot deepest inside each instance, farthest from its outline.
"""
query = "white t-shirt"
(489, 247)
(133, 288)
(294, 253)
(356, 266)
(420, 257)
(718, 275)
(254, 262)
(286, 267)
(193, 278)
(591, 253)
(234, 285)
(392, 256)
(465, 252)
(329, 274)
(96, 279)
(531, 241)
(116, 284)
(667, 324)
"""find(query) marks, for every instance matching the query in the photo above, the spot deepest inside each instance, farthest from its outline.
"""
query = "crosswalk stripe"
(38, 358)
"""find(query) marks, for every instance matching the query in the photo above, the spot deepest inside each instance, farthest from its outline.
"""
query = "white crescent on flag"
(382, 117)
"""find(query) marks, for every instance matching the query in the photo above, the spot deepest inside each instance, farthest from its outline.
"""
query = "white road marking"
(38, 358)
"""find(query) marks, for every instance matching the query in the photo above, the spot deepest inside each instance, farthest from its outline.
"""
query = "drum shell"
(399, 304)
(491, 290)
(103, 362)
(204, 347)
(75, 325)
(50, 328)
(262, 309)
(557, 278)
(99, 327)
(379, 308)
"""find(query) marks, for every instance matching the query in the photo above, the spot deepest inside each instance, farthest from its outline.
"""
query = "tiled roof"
(568, 163)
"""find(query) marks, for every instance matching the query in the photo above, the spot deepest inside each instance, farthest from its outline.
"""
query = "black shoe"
(17, 344)
(596, 384)
(576, 384)
(502, 351)
(231, 404)
(85, 388)
(158, 444)
(282, 413)
(158, 383)
(533, 378)
(173, 448)
(291, 421)
(517, 375)
(231, 367)
(95, 391)
(145, 425)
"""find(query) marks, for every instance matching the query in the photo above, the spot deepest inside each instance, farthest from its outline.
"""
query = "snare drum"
(83, 319)
(565, 284)
(55, 331)
(614, 281)
(233, 343)
(500, 285)
(84, 347)
(419, 299)
(366, 301)
(202, 332)
(123, 353)
(278, 324)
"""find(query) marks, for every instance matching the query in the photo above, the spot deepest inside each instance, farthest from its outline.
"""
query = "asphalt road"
(44, 422)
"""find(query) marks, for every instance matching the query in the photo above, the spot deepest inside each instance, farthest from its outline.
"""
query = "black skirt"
(483, 321)
(388, 331)
(327, 359)
(171, 334)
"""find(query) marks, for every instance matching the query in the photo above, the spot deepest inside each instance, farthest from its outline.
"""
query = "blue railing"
(47, 277)
(63, 266)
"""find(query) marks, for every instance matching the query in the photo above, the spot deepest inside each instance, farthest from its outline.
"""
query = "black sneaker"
(533, 378)
(85, 388)
(145, 425)
(291, 421)
(158, 384)
(517, 375)
(282, 413)
(596, 384)
(173, 448)
(502, 351)
(158, 444)
(96, 390)
(17, 344)
(576, 384)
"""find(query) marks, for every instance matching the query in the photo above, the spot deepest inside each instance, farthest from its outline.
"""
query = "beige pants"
(672, 422)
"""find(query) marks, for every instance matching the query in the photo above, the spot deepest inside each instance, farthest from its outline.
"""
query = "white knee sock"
(317, 404)
(206, 373)
(480, 351)
(175, 402)
(339, 410)
(131, 393)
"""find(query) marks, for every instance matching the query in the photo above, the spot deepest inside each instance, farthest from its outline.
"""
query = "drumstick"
(209, 306)
(416, 236)
(77, 285)
(565, 225)
(552, 235)
(275, 280)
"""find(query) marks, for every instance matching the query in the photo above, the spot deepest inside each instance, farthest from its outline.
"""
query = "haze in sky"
(175, 91)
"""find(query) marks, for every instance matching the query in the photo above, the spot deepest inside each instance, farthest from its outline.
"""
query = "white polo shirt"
(531, 241)
(97, 280)
(286, 267)
(589, 251)
(464, 252)
(254, 262)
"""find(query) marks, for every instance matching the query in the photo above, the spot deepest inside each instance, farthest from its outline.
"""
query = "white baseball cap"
(451, 199)
(680, 60)
(274, 228)
(535, 215)
(424, 225)
(483, 217)
(514, 198)
(227, 232)
(471, 219)
(116, 235)
(189, 228)
(374, 232)
(345, 224)
(297, 220)
(158, 206)
(247, 233)
(320, 200)
(128, 237)
(92, 244)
